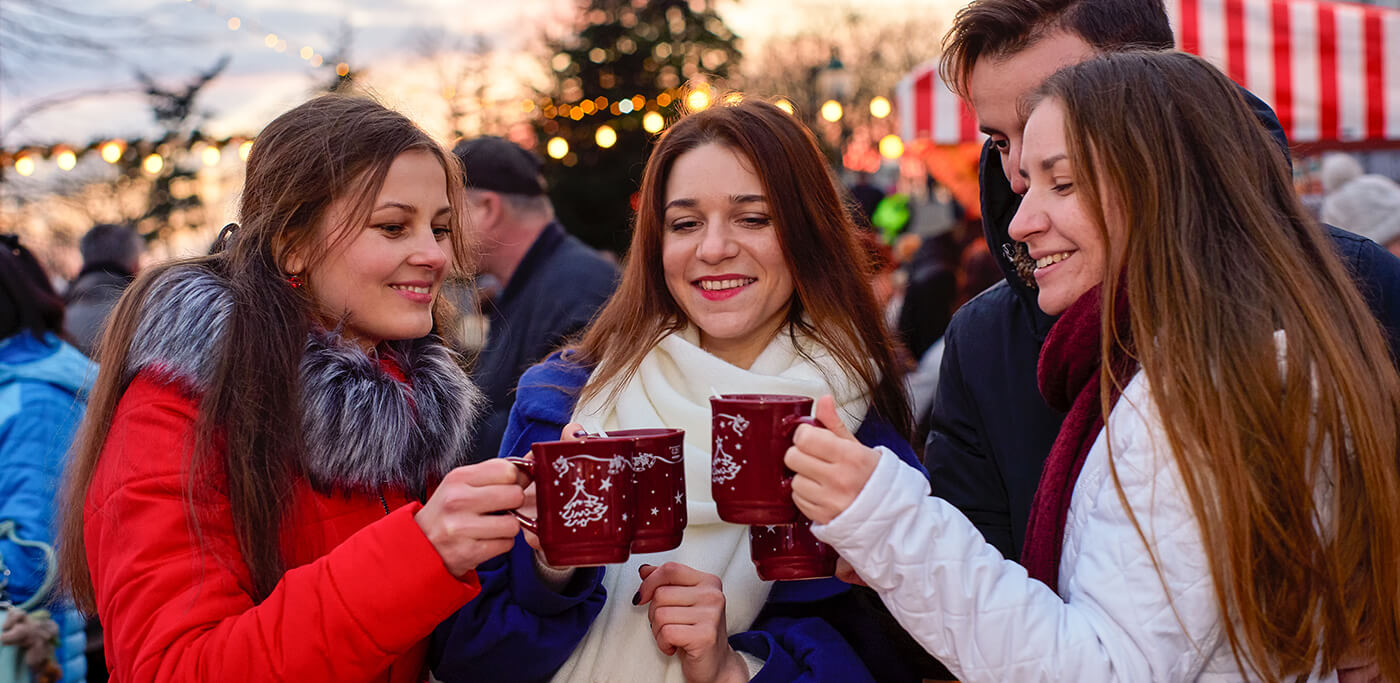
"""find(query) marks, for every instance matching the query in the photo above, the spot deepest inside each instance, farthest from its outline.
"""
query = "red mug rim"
(760, 398)
(644, 433)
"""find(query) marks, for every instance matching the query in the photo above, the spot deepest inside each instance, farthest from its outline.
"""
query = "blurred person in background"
(1367, 204)
(111, 259)
(548, 283)
(43, 389)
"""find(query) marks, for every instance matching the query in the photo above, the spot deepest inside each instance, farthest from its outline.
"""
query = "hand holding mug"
(530, 507)
(686, 609)
(460, 518)
(831, 466)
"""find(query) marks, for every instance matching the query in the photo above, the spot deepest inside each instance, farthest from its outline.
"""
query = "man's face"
(997, 84)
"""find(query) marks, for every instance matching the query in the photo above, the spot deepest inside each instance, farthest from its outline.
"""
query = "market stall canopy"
(1330, 70)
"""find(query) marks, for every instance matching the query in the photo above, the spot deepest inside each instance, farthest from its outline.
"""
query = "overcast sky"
(177, 38)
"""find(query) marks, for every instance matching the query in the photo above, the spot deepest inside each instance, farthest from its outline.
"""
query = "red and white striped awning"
(928, 110)
(1330, 70)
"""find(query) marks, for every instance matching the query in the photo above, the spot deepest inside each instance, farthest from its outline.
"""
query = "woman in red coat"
(266, 485)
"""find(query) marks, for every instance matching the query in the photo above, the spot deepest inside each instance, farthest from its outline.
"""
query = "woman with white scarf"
(745, 275)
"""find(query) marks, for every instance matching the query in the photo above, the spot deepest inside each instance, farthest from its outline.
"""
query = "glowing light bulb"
(652, 122)
(891, 147)
(605, 136)
(211, 155)
(784, 105)
(112, 151)
(880, 107)
(557, 148)
(245, 149)
(831, 111)
(152, 164)
(698, 100)
(66, 159)
(24, 165)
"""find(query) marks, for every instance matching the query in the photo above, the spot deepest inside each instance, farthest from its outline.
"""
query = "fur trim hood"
(363, 428)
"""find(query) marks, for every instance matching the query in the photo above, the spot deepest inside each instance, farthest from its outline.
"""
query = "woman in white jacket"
(1193, 521)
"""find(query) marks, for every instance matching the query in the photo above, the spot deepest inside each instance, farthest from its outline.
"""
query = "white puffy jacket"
(984, 618)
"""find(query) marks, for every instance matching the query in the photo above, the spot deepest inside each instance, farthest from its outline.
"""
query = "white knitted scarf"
(672, 388)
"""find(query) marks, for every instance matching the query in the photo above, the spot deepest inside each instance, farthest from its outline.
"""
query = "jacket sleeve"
(988, 621)
(961, 471)
(174, 601)
(799, 639)
(518, 629)
(1376, 273)
(32, 447)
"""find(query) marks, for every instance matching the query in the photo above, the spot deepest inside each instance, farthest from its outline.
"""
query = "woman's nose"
(716, 243)
(1028, 221)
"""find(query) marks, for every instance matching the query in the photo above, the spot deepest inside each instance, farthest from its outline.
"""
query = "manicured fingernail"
(637, 597)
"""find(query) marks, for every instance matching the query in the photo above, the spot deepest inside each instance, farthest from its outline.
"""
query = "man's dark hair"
(997, 28)
(112, 244)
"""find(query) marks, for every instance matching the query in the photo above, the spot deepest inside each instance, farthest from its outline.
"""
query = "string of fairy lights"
(152, 155)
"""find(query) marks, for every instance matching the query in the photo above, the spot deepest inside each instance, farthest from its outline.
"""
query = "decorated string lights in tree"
(625, 69)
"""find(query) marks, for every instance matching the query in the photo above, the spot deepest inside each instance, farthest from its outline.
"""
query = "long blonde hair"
(1220, 254)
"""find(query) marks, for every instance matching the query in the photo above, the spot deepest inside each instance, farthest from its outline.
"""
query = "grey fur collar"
(363, 428)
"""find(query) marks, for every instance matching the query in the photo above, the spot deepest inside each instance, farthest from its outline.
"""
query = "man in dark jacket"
(549, 283)
(111, 257)
(990, 429)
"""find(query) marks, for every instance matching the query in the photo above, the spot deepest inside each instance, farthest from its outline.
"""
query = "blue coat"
(43, 391)
(520, 630)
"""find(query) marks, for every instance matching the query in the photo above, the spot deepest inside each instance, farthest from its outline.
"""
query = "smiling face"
(723, 261)
(996, 85)
(383, 277)
(1068, 249)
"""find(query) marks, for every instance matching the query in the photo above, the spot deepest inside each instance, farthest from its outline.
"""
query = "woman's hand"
(686, 609)
(831, 466)
(462, 518)
(530, 507)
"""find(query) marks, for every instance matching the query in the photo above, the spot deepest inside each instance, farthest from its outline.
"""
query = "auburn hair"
(328, 149)
(1287, 448)
(832, 303)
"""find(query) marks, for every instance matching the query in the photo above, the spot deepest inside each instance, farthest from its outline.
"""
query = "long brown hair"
(303, 161)
(833, 302)
(1219, 255)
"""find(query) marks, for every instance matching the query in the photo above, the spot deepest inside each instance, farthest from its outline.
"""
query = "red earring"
(294, 281)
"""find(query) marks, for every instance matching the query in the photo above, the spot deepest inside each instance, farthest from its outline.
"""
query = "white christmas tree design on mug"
(724, 468)
(583, 508)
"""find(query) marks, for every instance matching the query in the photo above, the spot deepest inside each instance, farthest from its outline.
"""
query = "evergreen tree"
(622, 53)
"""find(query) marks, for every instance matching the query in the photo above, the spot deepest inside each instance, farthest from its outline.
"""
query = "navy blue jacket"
(990, 430)
(554, 292)
(519, 630)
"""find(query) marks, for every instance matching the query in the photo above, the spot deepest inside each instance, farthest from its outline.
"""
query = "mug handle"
(789, 425)
(526, 466)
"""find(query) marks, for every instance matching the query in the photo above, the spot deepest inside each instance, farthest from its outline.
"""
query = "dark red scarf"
(1068, 374)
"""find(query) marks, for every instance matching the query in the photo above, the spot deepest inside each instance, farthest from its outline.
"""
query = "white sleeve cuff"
(555, 578)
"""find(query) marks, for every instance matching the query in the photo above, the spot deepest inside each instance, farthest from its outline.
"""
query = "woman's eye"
(684, 225)
(755, 221)
(1063, 188)
(441, 232)
(391, 229)
(1002, 144)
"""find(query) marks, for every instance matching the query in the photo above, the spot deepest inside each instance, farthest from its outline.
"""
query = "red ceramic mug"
(785, 552)
(584, 500)
(751, 433)
(658, 482)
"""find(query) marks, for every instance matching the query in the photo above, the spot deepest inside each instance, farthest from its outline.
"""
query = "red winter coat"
(362, 593)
